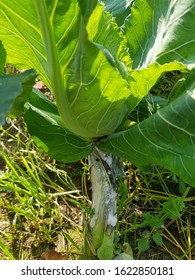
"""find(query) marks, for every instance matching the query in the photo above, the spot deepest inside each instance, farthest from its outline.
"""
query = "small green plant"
(157, 217)
(170, 209)
(100, 59)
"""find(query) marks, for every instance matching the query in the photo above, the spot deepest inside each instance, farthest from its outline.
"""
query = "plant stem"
(54, 73)
(104, 171)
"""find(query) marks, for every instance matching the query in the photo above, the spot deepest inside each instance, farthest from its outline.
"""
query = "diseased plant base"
(104, 170)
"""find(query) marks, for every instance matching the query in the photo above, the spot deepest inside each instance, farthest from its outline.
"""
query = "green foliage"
(122, 194)
(143, 244)
(162, 136)
(119, 9)
(2, 57)
(173, 207)
(44, 124)
(100, 59)
(105, 252)
(156, 31)
(27, 238)
(13, 90)
(157, 239)
(153, 220)
(66, 46)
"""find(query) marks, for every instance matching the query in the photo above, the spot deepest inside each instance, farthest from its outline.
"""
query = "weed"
(157, 220)
(39, 202)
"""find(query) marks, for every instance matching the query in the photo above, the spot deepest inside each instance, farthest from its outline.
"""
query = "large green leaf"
(2, 57)
(161, 31)
(166, 138)
(14, 90)
(87, 8)
(142, 80)
(118, 8)
(90, 103)
(36, 38)
(111, 40)
(97, 100)
(43, 122)
(21, 36)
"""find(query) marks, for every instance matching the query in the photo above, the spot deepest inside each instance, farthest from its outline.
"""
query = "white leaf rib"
(187, 171)
(173, 125)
